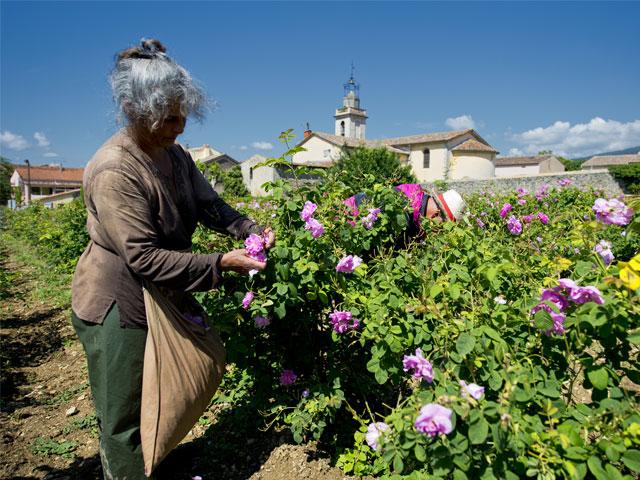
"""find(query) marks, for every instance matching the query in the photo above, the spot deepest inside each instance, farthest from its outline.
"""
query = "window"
(342, 128)
(425, 158)
(251, 173)
(327, 152)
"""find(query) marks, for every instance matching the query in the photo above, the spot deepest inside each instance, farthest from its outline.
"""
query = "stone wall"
(597, 179)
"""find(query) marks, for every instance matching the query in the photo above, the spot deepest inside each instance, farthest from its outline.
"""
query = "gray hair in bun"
(147, 84)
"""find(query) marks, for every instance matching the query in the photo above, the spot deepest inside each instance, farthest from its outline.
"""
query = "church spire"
(350, 118)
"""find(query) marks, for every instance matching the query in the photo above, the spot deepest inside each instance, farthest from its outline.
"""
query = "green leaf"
(598, 378)
(634, 337)
(542, 320)
(631, 459)
(381, 376)
(398, 464)
(478, 431)
(282, 288)
(454, 291)
(465, 344)
(419, 452)
(595, 467)
(435, 290)
(459, 475)
(280, 310)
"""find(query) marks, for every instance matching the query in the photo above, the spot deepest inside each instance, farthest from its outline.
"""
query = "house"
(39, 182)
(458, 154)
(534, 165)
(605, 161)
(255, 177)
(455, 155)
(208, 155)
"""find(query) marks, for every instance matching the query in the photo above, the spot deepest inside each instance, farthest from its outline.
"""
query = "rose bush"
(432, 359)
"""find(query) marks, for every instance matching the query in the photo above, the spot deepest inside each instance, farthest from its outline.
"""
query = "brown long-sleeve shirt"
(140, 223)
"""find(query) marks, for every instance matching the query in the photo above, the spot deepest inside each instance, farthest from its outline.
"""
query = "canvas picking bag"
(183, 366)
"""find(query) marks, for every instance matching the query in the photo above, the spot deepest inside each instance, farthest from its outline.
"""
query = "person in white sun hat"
(440, 207)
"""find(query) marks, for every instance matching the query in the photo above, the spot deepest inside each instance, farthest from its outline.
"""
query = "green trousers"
(115, 357)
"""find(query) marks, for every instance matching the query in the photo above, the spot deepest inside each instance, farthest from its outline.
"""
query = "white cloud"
(581, 139)
(51, 155)
(262, 145)
(42, 139)
(515, 152)
(243, 147)
(13, 141)
(460, 123)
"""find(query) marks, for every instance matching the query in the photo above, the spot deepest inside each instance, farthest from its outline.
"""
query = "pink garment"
(351, 203)
(414, 192)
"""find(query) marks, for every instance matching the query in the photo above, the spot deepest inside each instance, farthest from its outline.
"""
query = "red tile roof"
(41, 174)
(473, 145)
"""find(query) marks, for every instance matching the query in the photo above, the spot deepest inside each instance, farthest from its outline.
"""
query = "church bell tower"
(350, 118)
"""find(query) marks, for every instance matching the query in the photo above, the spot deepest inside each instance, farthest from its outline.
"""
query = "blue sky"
(526, 76)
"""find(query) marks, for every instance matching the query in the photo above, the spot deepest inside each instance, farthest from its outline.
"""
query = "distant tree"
(233, 182)
(629, 176)
(6, 170)
(383, 165)
(545, 152)
(231, 179)
(569, 164)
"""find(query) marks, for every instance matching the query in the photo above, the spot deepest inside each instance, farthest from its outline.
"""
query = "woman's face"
(165, 135)
(433, 212)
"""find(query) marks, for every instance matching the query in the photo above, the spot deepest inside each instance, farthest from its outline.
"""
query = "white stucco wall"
(317, 150)
(512, 171)
(472, 165)
(437, 161)
(254, 178)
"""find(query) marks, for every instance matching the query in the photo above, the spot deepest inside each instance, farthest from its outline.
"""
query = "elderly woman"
(144, 197)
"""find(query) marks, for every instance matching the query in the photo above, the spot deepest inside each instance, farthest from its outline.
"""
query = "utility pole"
(28, 189)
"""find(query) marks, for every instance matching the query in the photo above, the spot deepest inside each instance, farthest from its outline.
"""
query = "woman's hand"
(269, 238)
(239, 261)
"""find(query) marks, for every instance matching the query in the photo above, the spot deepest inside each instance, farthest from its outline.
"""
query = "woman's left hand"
(269, 238)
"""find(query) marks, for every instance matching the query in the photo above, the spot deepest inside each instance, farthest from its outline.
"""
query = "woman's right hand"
(239, 261)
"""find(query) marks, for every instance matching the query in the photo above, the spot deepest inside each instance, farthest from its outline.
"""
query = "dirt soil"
(47, 421)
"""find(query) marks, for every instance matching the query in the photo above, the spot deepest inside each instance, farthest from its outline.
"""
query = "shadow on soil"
(231, 449)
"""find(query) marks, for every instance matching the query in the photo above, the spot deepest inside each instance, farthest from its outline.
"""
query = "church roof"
(425, 137)
(473, 145)
(354, 142)
(401, 144)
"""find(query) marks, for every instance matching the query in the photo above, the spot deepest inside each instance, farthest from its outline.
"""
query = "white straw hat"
(451, 204)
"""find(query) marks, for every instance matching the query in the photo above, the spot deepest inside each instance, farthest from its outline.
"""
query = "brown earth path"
(47, 422)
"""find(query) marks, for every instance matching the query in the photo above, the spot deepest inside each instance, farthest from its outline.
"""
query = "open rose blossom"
(348, 264)
(307, 210)
(604, 250)
(288, 377)
(514, 225)
(254, 244)
(342, 321)
(434, 420)
(374, 430)
(371, 218)
(315, 227)
(612, 212)
(506, 208)
(421, 367)
(476, 391)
